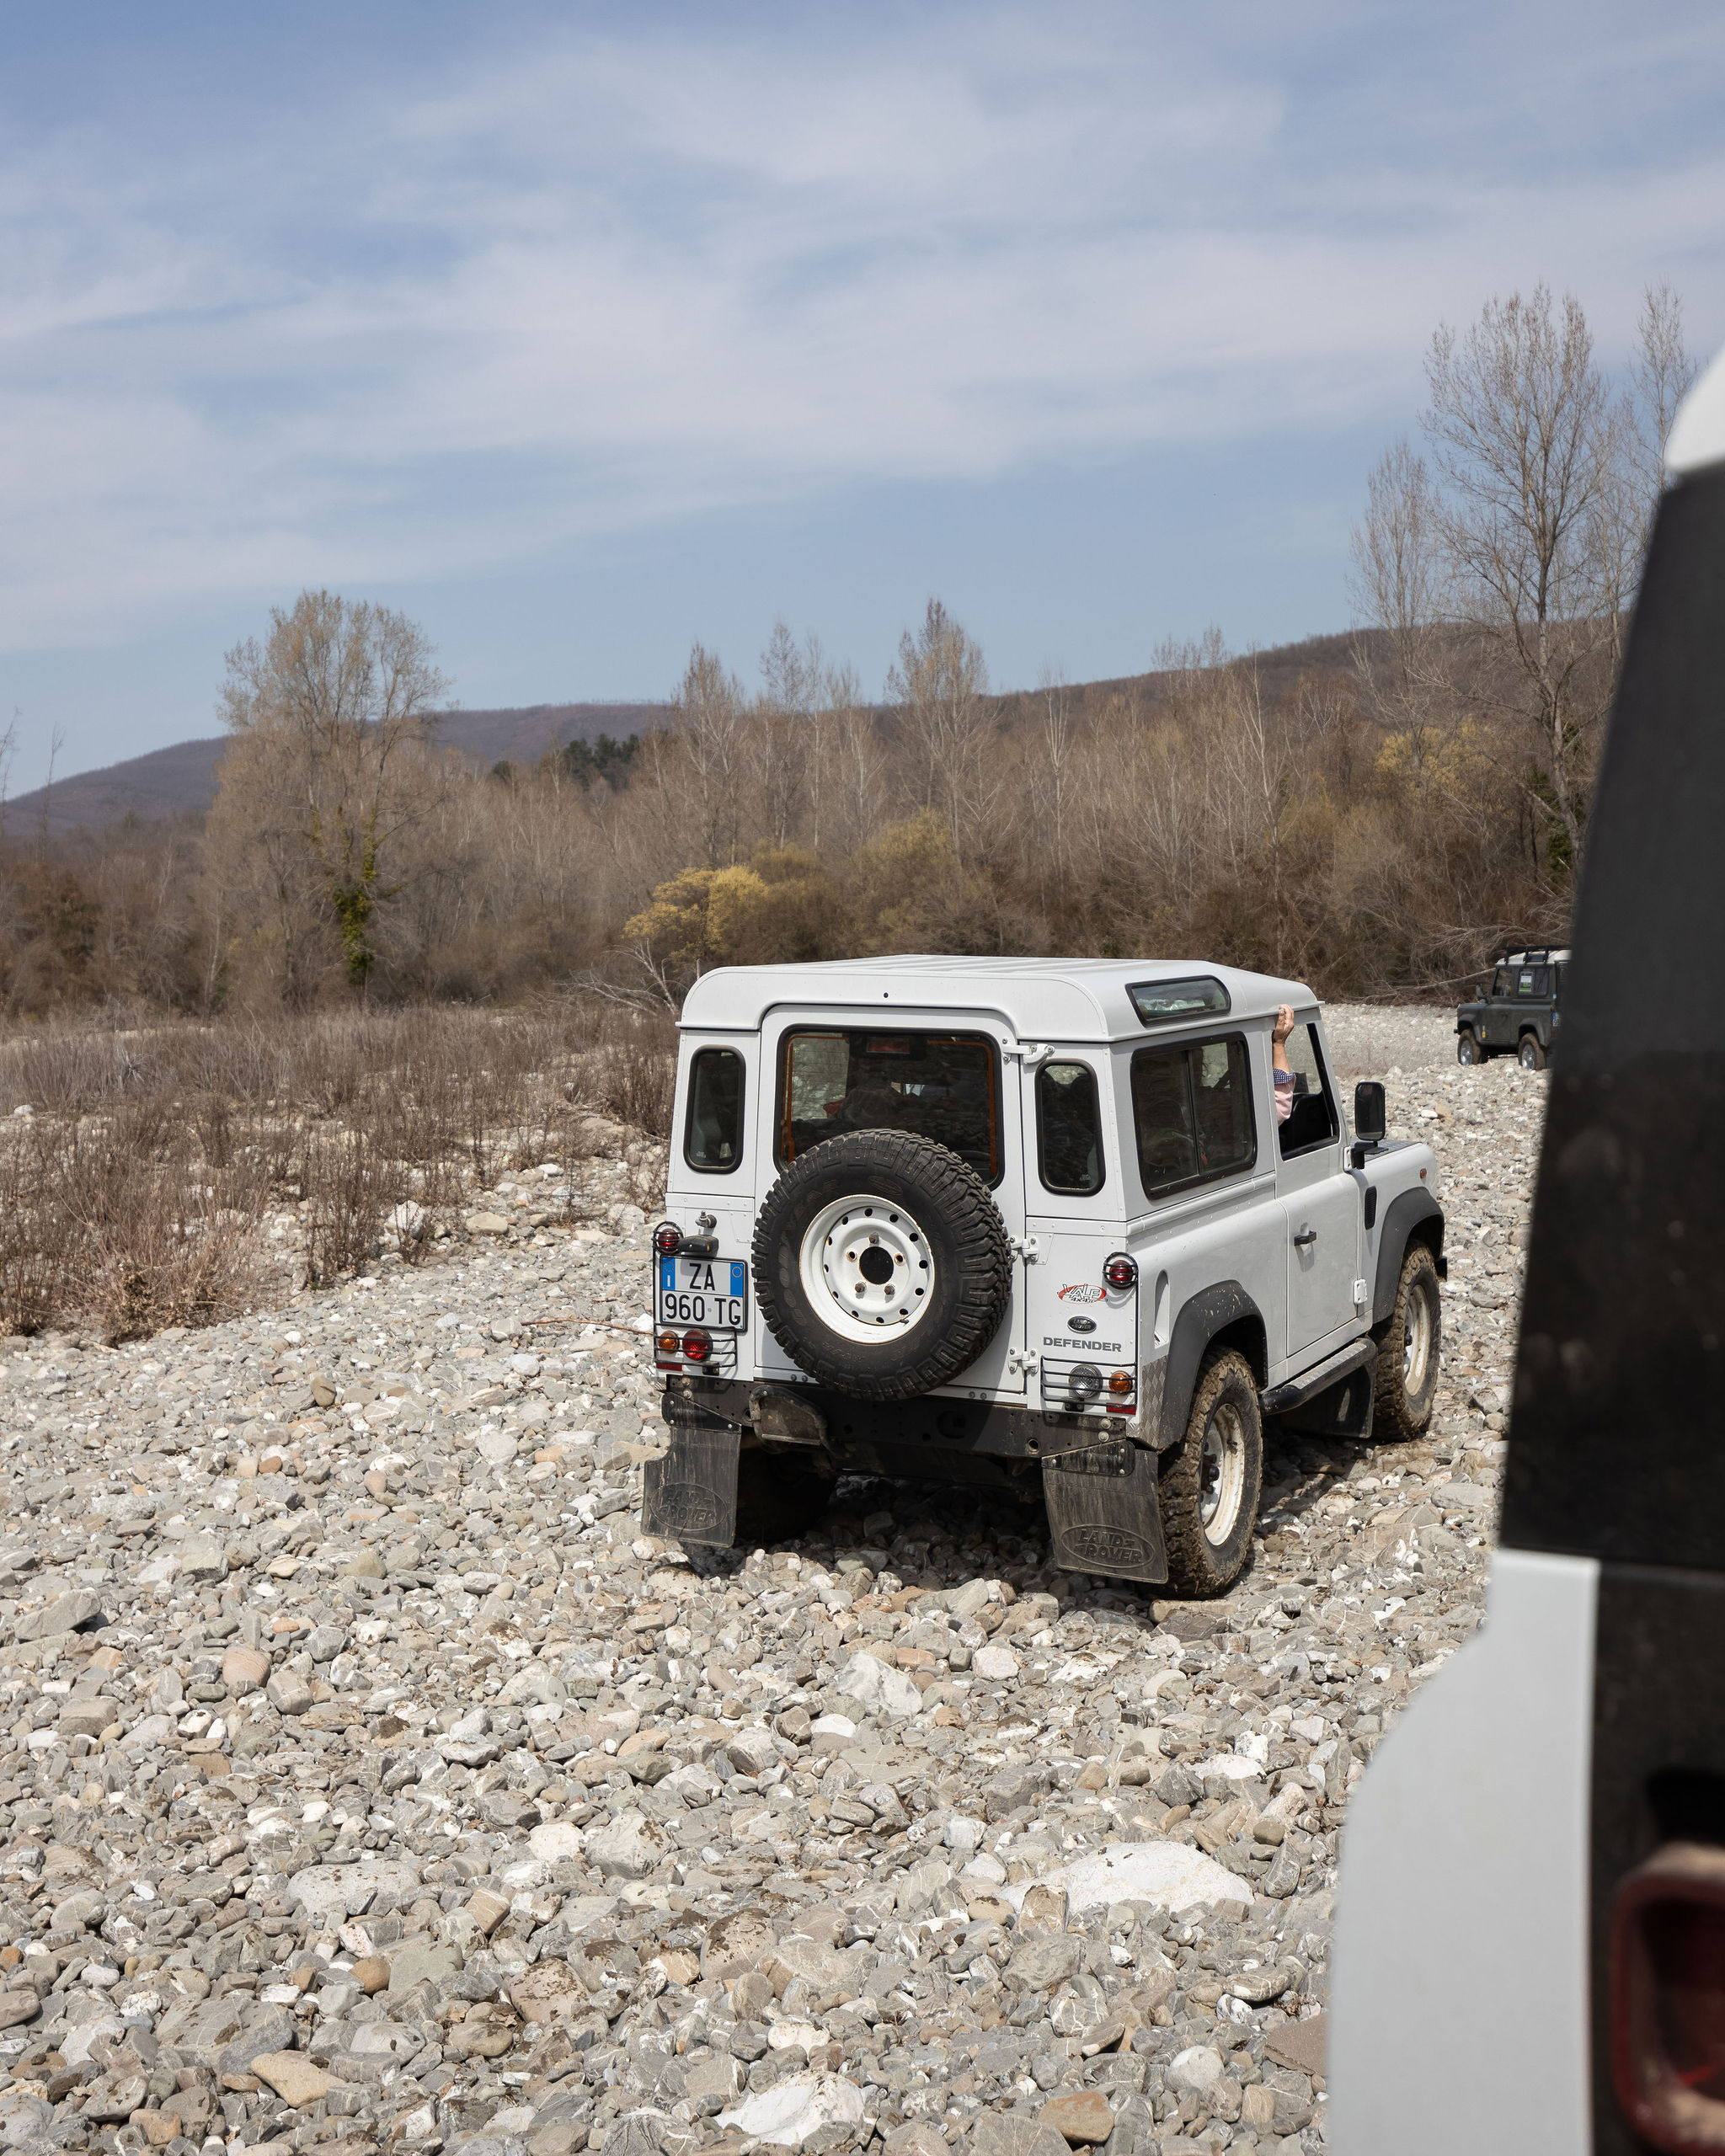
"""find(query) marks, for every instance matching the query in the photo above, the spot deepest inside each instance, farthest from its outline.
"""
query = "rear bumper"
(932, 1438)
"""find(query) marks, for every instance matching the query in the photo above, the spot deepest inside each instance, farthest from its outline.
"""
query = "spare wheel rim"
(865, 1269)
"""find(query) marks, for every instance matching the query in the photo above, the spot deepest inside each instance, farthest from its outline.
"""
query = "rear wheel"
(1209, 1490)
(1410, 1341)
(1529, 1054)
(1467, 1046)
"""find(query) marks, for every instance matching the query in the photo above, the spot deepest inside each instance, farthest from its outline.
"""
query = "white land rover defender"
(965, 1219)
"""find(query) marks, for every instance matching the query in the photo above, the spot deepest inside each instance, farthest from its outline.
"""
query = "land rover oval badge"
(1080, 1325)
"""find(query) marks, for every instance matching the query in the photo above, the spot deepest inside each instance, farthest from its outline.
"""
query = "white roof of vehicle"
(1042, 999)
(1697, 436)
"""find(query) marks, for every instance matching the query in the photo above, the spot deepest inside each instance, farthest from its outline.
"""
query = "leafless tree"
(321, 784)
(946, 722)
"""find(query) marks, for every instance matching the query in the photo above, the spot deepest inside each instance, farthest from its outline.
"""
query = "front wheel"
(1530, 1055)
(1409, 1342)
(1209, 1490)
(1467, 1046)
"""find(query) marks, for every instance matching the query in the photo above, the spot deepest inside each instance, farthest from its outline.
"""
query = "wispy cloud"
(612, 280)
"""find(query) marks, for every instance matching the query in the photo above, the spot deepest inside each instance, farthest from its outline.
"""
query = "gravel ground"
(371, 1781)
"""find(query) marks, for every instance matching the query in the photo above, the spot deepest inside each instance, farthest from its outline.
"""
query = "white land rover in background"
(1002, 1219)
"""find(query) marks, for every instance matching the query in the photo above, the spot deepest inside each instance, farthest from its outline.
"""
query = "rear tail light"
(1667, 2000)
(1120, 1271)
(667, 1238)
(697, 1345)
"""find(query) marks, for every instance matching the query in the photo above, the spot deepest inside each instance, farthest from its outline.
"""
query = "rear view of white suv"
(1032, 1222)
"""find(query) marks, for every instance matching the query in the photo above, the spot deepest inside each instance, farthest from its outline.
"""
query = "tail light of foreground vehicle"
(667, 1239)
(1667, 2000)
(1120, 1271)
(697, 1344)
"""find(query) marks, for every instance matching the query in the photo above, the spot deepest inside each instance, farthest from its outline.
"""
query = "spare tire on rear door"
(882, 1264)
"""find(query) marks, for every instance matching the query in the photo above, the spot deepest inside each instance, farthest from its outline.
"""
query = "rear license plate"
(709, 1291)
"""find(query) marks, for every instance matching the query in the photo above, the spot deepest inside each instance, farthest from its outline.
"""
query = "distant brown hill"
(172, 781)
(181, 780)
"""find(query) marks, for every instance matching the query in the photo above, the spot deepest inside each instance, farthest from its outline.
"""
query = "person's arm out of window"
(1281, 1076)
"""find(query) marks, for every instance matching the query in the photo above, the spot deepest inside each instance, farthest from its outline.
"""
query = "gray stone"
(628, 1848)
(63, 1615)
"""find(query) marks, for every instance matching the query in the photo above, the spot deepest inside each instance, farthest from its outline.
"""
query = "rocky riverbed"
(368, 1779)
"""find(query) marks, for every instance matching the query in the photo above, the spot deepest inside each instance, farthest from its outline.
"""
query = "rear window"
(1193, 1112)
(1069, 1127)
(713, 1137)
(942, 1085)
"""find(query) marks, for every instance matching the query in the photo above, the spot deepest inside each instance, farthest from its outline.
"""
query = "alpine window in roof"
(1165, 1002)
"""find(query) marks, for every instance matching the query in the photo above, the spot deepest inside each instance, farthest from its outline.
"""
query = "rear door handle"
(1305, 1236)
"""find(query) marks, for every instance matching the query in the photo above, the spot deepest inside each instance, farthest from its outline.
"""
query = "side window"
(712, 1139)
(1069, 1127)
(1192, 1108)
(1534, 980)
(1311, 1119)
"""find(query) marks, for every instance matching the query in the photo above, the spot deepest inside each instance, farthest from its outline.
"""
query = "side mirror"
(1369, 1122)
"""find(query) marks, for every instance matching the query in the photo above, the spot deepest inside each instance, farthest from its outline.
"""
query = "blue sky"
(583, 333)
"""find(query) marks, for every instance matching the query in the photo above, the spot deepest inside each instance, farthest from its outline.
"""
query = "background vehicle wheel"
(1529, 1054)
(781, 1493)
(1467, 1046)
(1209, 1489)
(1410, 1341)
(882, 1264)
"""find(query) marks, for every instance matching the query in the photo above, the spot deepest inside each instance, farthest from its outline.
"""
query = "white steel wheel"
(866, 1267)
(1417, 1330)
(1221, 1473)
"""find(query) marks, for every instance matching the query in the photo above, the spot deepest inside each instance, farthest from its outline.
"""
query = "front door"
(1320, 1205)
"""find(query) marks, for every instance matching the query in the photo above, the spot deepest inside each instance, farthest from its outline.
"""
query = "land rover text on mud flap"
(1016, 1219)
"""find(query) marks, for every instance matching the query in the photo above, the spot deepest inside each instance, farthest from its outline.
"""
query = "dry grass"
(135, 1185)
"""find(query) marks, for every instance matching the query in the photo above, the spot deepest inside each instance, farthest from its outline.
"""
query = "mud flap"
(690, 1494)
(1103, 1514)
(1344, 1410)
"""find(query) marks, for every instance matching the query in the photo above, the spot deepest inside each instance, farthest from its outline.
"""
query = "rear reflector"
(1667, 2000)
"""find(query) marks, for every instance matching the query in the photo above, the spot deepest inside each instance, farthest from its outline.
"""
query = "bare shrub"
(350, 1187)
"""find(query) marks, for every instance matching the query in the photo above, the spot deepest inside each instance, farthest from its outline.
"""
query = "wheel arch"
(1223, 1315)
(1413, 1216)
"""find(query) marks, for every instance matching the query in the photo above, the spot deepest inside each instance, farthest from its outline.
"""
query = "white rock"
(995, 1663)
(1233, 1766)
(1191, 2072)
(331, 1893)
(556, 1840)
(785, 2116)
(784, 2035)
(875, 1684)
(626, 1847)
(1167, 1872)
(497, 1446)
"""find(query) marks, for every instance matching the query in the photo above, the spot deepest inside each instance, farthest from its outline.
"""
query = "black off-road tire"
(781, 1492)
(1407, 1376)
(1528, 1053)
(1203, 1563)
(970, 1262)
(1467, 1046)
